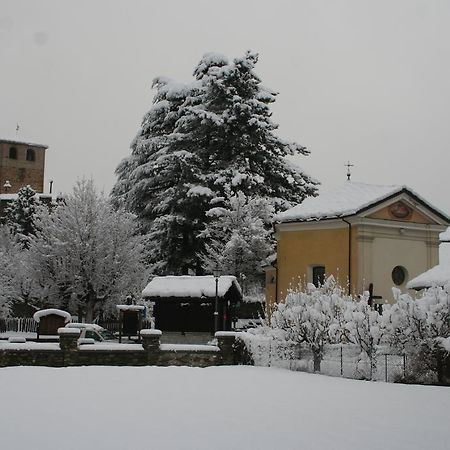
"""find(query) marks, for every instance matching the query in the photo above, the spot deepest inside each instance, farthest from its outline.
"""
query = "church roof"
(347, 200)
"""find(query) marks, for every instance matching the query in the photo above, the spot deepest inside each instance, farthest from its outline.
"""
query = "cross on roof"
(349, 173)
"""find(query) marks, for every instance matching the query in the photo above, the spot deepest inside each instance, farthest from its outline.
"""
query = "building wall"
(20, 172)
(299, 250)
(385, 246)
(377, 246)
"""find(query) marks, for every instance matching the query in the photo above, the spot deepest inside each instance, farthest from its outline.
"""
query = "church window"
(12, 153)
(318, 275)
(399, 275)
(31, 156)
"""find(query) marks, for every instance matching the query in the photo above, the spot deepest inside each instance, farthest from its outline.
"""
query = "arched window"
(12, 153)
(31, 156)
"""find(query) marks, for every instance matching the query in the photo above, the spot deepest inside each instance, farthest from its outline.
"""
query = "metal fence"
(20, 325)
(29, 325)
(341, 360)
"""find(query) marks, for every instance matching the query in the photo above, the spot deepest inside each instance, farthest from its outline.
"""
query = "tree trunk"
(90, 309)
(317, 360)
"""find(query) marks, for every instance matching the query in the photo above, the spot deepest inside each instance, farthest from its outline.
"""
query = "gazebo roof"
(189, 286)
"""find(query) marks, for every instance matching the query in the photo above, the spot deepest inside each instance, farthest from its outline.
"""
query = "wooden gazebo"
(187, 303)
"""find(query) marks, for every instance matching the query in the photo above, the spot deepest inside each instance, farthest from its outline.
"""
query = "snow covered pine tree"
(20, 215)
(200, 143)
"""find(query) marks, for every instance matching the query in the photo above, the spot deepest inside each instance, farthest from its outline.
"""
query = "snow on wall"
(343, 201)
(189, 286)
(46, 312)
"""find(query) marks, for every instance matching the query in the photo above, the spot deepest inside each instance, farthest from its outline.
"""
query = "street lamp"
(216, 273)
(7, 185)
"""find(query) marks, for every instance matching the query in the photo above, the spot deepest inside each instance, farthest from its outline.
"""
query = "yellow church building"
(369, 237)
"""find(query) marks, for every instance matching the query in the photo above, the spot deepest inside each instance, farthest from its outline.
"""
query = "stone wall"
(69, 352)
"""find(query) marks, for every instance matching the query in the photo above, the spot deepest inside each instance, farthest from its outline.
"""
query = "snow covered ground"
(215, 408)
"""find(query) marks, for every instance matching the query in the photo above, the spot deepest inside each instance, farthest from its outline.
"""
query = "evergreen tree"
(202, 143)
(21, 213)
(238, 237)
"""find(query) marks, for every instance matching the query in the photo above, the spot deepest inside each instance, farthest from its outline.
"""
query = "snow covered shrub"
(313, 317)
(417, 327)
(363, 327)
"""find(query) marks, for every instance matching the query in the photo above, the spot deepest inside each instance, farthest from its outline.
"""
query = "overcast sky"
(365, 81)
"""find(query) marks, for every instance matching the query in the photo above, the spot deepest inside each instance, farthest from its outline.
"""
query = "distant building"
(22, 163)
(361, 234)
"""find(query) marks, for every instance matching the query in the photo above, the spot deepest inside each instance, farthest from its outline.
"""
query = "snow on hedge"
(189, 286)
(47, 312)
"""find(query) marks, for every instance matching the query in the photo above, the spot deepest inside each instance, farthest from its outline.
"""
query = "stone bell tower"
(21, 163)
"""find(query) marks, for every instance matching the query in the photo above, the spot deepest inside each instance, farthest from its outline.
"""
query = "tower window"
(12, 153)
(31, 155)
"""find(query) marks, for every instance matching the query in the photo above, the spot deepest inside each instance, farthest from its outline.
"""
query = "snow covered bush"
(85, 254)
(363, 327)
(200, 144)
(313, 317)
(417, 326)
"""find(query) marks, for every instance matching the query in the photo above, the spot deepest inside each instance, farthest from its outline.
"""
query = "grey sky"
(367, 81)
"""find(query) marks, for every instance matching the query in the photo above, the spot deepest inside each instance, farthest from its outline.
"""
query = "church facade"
(369, 237)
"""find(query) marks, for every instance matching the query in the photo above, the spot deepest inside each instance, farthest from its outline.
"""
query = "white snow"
(189, 286)
(446, 344)
(346, 200)
(69, 331)
(220, 408)
(130, 307)
(445, 236)
(47, 312)
(109, 346)
(150, 332)
(189, 348)
(29, 346)
(436, 276)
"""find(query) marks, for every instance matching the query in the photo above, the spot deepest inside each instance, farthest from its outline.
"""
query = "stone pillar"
(151, 341)
(226, 340)
(68, 343)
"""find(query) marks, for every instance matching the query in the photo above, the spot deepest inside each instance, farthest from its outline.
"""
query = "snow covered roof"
(17, 140)
(189, 286)
(436, 276)
(349, 199)
(445, 235)
(39, 195)
(130, 307)
(47, 312)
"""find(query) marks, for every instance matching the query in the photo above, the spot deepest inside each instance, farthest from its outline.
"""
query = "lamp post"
(7, 185)
(216, 273)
